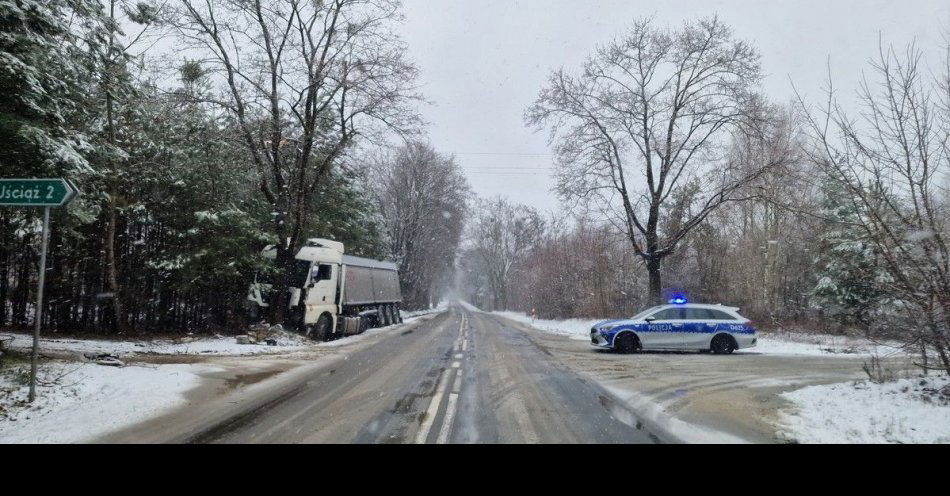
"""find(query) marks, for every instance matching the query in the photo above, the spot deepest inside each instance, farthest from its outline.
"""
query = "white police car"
(678, 326)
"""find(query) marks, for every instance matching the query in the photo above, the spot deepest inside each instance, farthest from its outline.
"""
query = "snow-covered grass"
(768, 344)
(191, 346)
(574, 328)
(211, 346)
(821, 345)
(77, 402)
(905, 411)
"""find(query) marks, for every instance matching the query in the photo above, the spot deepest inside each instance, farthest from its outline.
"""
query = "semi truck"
(333, 294)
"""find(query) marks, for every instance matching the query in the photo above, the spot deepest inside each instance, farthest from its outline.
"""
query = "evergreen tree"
(41, 74)
(849, 274)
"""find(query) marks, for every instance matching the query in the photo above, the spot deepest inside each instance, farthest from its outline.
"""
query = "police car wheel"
(626, 343)
(723, 345)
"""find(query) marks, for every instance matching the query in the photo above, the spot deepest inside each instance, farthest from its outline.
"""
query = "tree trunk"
(281, 290)
(112, 269)
(656, 291)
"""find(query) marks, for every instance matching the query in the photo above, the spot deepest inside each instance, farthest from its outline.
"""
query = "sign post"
(44, 193)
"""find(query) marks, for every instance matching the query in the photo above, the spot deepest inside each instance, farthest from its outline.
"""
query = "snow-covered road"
(790, 388)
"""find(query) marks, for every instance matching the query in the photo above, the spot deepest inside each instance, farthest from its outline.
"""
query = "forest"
(201, 132)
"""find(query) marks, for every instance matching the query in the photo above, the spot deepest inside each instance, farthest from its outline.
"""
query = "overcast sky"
(484, 61)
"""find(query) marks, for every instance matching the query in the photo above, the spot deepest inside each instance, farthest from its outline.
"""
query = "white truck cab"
(337, 294)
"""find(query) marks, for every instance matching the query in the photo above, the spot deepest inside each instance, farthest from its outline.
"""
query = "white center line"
(449, 418)
(423, 433)
(457, 386)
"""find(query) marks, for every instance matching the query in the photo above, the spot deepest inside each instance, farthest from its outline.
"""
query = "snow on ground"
(189, 346)
(468, 306)
(769, 344)
(651, 411)
(88, 400)
(573, 328)
(905, 411)
(407, 317)
(441, 307)
(212, 346)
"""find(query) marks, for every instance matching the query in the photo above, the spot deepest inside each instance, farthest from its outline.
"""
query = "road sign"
(36, 192)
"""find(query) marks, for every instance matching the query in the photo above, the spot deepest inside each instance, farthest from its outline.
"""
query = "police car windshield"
(644, 313)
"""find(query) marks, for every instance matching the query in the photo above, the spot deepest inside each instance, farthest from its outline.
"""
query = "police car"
(678, 326)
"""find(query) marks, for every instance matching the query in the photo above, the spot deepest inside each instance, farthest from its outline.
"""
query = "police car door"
(700, 327)
(665, 330)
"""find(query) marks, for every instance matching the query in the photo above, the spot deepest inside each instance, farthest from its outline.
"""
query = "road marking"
(448, 419)
(452, 407)
(457, 387)
(433, 409)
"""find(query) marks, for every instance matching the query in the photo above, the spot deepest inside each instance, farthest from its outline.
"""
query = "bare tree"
(501, 236)
(892, 162)
(303, 80)
(642, 127)
(422, 197)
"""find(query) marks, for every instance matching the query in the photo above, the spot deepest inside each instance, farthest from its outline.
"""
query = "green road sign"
(36, 192)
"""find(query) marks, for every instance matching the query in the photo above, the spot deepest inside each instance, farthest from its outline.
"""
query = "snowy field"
(905, 411)
(769, 344)
(77, 402)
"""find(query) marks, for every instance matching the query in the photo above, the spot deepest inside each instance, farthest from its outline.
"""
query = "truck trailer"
(333, 294)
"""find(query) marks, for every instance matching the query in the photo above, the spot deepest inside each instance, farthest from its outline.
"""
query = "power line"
(512, 154)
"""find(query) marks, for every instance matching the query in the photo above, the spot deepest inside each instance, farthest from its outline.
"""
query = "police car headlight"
(608, 328)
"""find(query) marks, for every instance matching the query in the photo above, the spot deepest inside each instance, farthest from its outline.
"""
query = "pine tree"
(848, 273)
(41, 76)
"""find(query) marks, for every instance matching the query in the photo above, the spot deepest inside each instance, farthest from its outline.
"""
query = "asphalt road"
(460, 377)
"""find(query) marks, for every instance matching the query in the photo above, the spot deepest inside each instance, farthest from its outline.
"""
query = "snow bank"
(468, 306)
(89, 400)
(201, 346)
(441, 307)
(768, 344)
(821, 345)
(408, 317)
(574, 328)
(904, 411)
(212, 346)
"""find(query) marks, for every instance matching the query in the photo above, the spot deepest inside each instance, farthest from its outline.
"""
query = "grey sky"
(484, 61)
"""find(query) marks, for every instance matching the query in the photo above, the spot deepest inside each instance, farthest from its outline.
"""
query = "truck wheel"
(383, 316)
(398, 313)
(364, 325)
(321, 330)
(390, 315)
